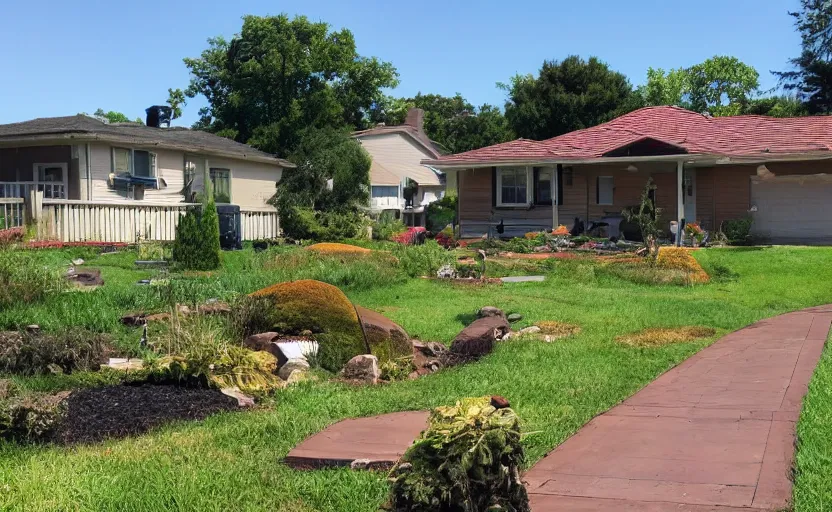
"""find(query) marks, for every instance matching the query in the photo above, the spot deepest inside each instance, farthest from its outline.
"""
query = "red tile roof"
(691, 132)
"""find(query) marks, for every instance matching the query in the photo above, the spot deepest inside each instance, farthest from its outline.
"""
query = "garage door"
(793, 210)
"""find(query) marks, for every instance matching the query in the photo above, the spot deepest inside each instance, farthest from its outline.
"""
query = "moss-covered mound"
(321, 308)
(468, 459)
(335, 248)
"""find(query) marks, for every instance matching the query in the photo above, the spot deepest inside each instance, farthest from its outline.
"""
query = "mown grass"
(813, 464)
(232, 461)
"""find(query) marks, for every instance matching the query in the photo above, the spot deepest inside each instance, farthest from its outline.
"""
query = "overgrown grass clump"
(656, 337)
(25, 280)
(558, 329)
(67, 351)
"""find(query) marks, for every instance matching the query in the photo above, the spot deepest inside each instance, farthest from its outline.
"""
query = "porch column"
(680, 199)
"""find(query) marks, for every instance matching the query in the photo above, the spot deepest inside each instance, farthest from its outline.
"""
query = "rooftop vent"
(159, 116)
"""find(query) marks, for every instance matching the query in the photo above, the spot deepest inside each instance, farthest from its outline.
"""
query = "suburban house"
(400, 183)
(708, 170)
(81, 164)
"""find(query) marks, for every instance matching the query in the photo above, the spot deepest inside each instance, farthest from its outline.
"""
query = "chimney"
(159, 115)
(415, 118)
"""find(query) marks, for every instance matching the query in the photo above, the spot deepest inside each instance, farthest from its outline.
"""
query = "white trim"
(529, 186)
(598, 191)
(64, 173)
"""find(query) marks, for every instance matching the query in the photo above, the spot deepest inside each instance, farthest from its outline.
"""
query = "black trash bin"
(231, 233)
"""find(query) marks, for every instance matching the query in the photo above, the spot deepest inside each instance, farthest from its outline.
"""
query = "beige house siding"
(400, 156)
(252, 183)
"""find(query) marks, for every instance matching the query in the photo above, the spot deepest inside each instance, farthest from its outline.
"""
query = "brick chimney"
(415, 118)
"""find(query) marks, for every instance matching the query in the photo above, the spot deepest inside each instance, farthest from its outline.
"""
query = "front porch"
(509, 201)
(48, 169)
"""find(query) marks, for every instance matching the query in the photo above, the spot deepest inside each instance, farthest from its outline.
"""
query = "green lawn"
(232, 461)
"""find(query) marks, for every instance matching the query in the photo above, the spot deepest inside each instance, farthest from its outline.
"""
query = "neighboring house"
(79, 161)
(709, 170)
(82, 158)
(397, 152)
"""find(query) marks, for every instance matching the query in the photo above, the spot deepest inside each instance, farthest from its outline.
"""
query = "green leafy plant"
(24, 279)
(468, 459)
(422, 260)
(70, 350)
(737, 231)
(386, 226)
(646, 215)
(441, 213)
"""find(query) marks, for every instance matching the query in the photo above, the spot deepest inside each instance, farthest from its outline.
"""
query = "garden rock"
(362, 368)
(446, 272)
(514, 317)
(261, 341)
(427, 358)
(292, 365)
(124, 364)
(478, 339)
(243, 400)
(529, 330)
(134, 319)
(386, 338)
(297, 376)
(214, 307)
(489, 311)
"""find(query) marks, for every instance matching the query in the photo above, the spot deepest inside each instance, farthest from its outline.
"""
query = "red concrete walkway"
(716, 433)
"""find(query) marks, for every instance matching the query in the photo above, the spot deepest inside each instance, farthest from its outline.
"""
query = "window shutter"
(535, 184)
(560, 183)
(597, 190)
(493, 186)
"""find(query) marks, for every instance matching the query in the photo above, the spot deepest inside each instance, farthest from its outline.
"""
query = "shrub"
(32, 417)
(679, 258)
(36, 353)
(11, 236)
(737, 231)
(302, 223)
(197, 244)
(423, 260)
(321, 308)
(468, 459)
(23, 279)
(386, 226)
(441, 213)
(655, 337)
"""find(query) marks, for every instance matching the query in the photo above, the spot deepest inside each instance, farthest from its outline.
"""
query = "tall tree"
(811, 76)
(665, 88)
(567, 96)
(280, 76)
(111, 116)
(722, 85)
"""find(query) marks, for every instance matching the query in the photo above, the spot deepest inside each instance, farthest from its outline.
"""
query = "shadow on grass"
(466, 318)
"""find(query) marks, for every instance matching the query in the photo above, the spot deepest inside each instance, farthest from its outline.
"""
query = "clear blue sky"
(61, 58)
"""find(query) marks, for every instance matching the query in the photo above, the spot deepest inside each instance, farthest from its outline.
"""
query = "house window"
(221, 182)
(512, 186)
(604, 190)
(134, 162)
(385, 191)
(121, 161)
(543, 186)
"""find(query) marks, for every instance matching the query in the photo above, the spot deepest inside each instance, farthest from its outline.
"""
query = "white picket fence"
(79, 221)
(11, 213)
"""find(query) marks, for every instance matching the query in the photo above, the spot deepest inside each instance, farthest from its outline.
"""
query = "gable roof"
(414, 133)
(81, 127)
(691, 133)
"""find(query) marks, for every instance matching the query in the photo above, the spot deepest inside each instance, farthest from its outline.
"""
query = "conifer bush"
(197, 245)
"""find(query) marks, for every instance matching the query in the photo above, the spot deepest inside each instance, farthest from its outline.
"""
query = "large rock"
(362, 368)
(386, 338)
(489, 311)
(294, 307)
(478, 339)
(291, 366)
(428, 357)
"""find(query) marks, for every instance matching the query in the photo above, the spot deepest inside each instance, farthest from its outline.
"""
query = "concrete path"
(716, 433)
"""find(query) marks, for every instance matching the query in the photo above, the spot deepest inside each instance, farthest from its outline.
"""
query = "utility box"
(231, 232)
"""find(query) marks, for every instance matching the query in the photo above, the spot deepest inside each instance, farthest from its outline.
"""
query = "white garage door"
(793, 210)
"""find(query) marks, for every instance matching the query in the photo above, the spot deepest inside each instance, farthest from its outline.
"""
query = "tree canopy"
(111, 116)
(280, 76)
(811, 76)
(721, 85)
(565, 96)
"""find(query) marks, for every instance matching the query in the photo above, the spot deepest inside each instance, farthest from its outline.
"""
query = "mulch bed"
(97, 414)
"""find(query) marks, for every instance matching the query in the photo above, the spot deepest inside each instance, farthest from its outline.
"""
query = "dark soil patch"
(87, 277)
(111, 412)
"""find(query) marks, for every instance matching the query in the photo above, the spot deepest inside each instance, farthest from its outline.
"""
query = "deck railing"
(21, 189)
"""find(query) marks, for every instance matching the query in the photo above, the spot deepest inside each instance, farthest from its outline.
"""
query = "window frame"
(598, 190)
(211, 171)
(529, 185)
(553, 176)
(394, 188)
(131, 161)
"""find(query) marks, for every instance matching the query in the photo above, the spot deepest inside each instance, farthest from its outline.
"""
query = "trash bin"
(231, 233)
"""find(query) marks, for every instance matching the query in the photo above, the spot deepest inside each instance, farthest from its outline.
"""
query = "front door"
(689, 195)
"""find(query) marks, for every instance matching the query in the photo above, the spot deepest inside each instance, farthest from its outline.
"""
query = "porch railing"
(76, 221)
(11, 213)
(21, 189)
